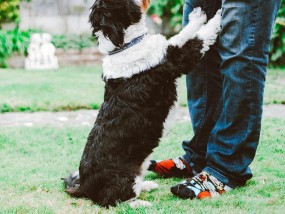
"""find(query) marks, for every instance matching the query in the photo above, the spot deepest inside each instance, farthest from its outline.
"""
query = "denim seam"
(194, 156)
(205, 96)
(200, 121)
(252, 39)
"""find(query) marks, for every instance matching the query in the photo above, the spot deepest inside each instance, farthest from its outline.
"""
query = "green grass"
(275, 87)
(56, 90)
(34, 159)
(82, 88)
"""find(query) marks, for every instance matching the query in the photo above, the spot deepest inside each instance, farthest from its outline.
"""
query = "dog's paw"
(219, 13)
(209, 32)
(72, 180)
(217, 20)
(139, 203)
(197, 15)
(148, 186)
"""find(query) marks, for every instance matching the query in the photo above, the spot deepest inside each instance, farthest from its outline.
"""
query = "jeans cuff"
(221, 177)
(196, 169)
(186, 158)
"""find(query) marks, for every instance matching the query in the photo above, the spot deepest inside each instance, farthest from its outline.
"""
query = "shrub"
(9, 11)
(13, 41)
(18, 41)
(5, 49)
(278, 39)
(77, 42)
(171, 12)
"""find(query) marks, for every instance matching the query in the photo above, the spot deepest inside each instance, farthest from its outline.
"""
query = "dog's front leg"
(148, 186)
(196, 19)
(208, 33)
(183, 59)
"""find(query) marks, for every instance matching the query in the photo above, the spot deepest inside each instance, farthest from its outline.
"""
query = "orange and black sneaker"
(176, 167)
(200, 186)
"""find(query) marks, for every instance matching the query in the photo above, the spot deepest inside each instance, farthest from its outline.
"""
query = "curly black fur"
(112, 17)
(130, 121)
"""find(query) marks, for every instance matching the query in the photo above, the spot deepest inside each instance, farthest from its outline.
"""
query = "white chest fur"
(136, 59)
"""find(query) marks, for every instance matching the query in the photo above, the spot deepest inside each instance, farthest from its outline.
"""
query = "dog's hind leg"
(72, 181)
(196, 19)
(145, 185)
(139, 186)
(72, 185)
(148, 186)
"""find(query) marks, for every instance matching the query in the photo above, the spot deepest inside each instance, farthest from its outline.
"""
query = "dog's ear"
(113, 17)
(113, 30)
(106, 16)
(116, 36)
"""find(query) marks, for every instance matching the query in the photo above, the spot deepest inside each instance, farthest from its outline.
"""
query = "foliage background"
(171, 12)
(17, 41)
(278, 39)
(9, 11)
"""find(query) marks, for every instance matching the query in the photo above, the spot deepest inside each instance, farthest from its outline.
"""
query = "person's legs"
(204, 85)
(204, 92)
(244, 50)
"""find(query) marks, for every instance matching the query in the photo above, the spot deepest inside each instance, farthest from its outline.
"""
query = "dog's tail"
(72, 186)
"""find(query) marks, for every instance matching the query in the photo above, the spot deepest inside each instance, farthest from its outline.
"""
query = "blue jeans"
(225, 91)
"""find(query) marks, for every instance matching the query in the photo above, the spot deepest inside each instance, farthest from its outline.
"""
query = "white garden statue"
(41, 53)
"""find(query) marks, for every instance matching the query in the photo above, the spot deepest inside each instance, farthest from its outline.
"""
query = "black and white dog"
(140, 72)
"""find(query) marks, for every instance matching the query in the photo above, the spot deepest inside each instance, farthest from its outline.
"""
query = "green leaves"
(171, 12)
(18, 41)
(77, 42)
(277, 55)
(13, 41)
(9, 11)
(5, 49)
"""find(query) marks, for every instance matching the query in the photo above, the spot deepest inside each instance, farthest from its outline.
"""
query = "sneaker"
(200, 186)
(176, 167)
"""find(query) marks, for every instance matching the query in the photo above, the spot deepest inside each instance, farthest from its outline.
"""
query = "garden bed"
(69, 57)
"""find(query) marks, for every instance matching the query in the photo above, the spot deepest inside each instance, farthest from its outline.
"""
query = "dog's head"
(111, 18)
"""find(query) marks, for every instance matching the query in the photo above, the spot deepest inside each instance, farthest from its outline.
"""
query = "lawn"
(55, 90)
(83, 88)
(34, 159)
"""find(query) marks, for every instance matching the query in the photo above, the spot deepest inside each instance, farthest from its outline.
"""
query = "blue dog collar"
(127, 45)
